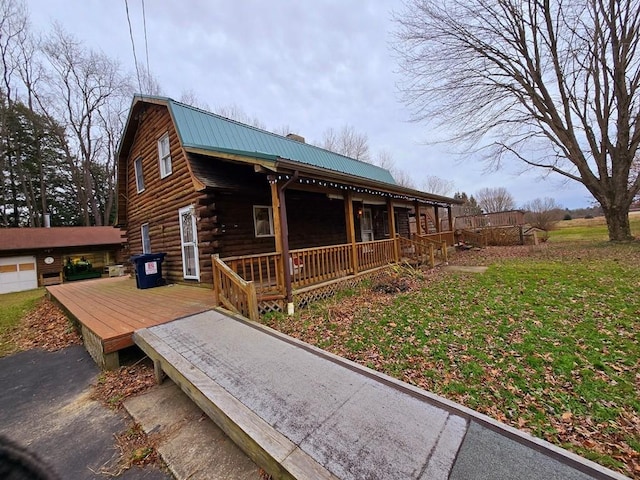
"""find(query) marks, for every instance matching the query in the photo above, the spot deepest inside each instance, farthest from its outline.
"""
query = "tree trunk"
(618, 224)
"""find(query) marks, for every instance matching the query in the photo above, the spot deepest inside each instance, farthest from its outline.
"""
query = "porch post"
(436, 217)
(351, 230)
(284, 235)
(416, 207)
(450, 219)
(277, 233)
(392, 229)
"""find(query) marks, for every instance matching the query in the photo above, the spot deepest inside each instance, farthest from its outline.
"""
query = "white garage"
(18, 273)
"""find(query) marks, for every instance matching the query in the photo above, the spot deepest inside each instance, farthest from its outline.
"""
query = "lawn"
(546, 340)
(13, 307)
(588, 229)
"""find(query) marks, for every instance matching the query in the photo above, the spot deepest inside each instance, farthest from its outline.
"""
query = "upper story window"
(164, 155)
(139, 178)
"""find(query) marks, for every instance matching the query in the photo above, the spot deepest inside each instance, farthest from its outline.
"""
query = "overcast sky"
(308, 65)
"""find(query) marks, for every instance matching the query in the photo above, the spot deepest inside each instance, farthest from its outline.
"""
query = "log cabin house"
(261, 217)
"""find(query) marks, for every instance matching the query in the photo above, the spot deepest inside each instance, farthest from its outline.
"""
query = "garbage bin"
(148, 269)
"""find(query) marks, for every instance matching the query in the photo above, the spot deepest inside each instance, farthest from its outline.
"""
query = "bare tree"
(347, 142)
(148, 84)
(543, 213)
(190, 97)
(282, 130)
(385, 159)
(438, 186)
(13, 24)
(555, 85)
(83, 84)
(492, 200)
(235, 112)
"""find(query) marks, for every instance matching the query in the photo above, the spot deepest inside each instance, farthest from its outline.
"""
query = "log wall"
(159, 202)
(314, 220)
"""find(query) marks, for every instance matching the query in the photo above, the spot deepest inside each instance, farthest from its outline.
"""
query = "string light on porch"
(328, 184)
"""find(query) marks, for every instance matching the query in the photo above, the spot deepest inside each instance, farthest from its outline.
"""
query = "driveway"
(45, 406)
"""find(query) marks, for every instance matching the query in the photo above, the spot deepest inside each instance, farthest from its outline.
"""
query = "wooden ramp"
(109, 310)
(300, 412)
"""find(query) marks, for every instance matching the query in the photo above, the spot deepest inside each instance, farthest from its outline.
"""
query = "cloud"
(309, 65)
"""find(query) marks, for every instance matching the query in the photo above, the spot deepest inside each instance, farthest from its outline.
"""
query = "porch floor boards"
(113, 308)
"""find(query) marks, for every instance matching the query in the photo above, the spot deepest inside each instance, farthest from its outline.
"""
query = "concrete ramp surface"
(300, 412)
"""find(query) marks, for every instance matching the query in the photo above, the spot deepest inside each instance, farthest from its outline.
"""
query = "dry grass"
(546, 341)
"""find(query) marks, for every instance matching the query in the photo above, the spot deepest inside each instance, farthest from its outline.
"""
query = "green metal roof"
(204, 130)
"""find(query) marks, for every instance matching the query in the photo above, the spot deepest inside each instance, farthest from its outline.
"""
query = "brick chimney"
(296, 137)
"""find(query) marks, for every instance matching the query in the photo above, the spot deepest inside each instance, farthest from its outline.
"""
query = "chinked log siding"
(314, 220)
(159, 202)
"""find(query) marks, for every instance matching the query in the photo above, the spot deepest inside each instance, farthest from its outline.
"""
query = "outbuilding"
(36, 257)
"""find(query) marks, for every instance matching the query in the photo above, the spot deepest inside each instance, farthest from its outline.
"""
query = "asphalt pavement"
(45, 406)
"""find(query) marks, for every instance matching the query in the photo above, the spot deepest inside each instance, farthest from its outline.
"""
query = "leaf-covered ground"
(546, 340)
(45, 326)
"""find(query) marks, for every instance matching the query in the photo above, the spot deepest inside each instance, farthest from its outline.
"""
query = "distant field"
(588, 229)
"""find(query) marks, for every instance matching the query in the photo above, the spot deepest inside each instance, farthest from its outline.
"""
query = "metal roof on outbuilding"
(207, 131)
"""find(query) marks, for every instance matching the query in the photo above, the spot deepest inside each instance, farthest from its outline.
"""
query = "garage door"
(17, 274)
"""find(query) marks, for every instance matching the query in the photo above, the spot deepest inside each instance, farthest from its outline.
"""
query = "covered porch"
(376, 227)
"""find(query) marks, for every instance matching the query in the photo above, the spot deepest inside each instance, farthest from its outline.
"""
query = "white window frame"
(366, 212)
(164, 156)
(194, 244)
(146, 238)
(137, 166)
(256, 209)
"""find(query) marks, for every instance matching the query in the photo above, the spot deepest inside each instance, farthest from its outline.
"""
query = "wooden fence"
(497, 236)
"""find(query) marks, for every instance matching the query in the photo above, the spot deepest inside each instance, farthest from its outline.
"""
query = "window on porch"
(263, 220)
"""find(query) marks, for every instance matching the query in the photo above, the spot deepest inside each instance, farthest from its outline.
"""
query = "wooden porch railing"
(375, 254)
(440, 237)
(235, 277)
(477, 239)
(232, 291)
(422, 252)
(320, 264)
(262, 269)
(437, 240)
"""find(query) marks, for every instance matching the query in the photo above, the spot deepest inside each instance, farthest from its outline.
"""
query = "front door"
(189, 241)
(366, 225)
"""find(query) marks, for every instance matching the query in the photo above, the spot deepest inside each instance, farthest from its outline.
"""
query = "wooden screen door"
(366, 225)
(189, 241)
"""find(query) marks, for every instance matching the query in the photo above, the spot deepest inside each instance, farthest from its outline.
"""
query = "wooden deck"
(109, 310)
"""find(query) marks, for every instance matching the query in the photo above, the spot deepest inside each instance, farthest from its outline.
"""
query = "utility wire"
(146, 44)
(133, 45)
